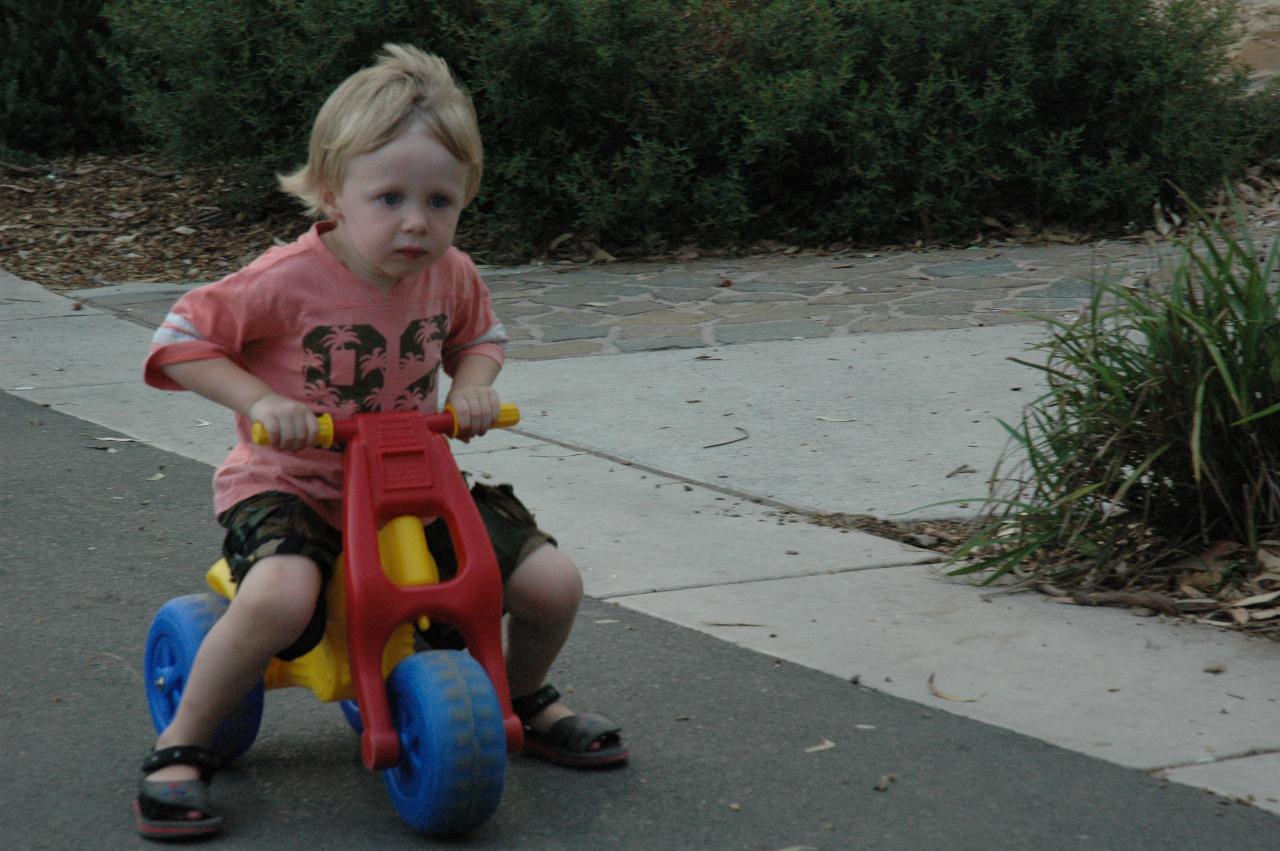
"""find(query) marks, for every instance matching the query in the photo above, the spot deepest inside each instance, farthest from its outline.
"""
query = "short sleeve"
(474, 329)
(214, 321)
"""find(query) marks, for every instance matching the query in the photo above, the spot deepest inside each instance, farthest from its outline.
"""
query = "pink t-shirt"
(300, 321)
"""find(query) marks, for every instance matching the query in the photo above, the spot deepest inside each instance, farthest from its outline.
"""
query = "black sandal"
(163, 807)
(568, 742)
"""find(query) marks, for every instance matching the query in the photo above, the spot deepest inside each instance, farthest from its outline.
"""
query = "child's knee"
(546, 585)
(561, 577)
(279, 594)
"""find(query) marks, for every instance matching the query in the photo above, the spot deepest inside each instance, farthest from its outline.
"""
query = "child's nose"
(415, 219)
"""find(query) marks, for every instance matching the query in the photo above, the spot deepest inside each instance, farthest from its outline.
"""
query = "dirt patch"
(1260, 40)
(94, 220)
(941, 536)
(1193, 589)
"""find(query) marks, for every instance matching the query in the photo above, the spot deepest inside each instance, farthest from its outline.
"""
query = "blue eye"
(391, 199)
(440, 202)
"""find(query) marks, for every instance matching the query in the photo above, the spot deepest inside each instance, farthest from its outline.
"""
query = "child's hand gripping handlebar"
(445, 422)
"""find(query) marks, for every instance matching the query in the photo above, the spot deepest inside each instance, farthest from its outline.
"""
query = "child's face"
(397, 209)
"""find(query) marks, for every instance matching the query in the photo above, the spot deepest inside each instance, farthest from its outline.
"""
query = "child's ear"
(329, 204)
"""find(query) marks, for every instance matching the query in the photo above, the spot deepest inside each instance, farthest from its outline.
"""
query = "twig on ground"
(1161, 603)
(142, 169)
(727, 442)
(936, 692)
(22, 169)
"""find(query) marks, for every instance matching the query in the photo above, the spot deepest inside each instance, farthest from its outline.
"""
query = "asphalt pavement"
(772, 675)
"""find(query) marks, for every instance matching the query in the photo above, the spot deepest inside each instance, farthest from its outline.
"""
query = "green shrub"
(595, 123)
(639, 122)
(235, 83)
(1259, 118)
(1160, 432)
(1042, 110)
(56, 93)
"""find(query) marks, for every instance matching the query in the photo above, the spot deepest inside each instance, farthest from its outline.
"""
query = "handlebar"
(445, 422)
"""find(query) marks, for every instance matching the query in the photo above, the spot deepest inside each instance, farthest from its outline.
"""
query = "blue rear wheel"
(453, 758)
(351, 711)
(176, 633)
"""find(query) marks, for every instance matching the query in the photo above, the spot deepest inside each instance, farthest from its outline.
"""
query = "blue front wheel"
(453, 747)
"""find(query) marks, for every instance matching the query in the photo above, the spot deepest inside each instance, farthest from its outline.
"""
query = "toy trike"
(438, 723)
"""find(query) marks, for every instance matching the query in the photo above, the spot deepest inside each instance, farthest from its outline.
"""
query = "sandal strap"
(195, 756)
(530, 705)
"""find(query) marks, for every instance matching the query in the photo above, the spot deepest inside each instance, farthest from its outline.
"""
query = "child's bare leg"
(542, 598)
(271, 608)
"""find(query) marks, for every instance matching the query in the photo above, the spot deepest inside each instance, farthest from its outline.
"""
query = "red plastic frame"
(400, 464)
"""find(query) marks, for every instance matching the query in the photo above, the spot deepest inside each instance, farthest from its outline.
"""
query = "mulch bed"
(94, 220)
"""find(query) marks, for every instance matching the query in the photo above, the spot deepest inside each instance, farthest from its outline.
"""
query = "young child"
(358, 314)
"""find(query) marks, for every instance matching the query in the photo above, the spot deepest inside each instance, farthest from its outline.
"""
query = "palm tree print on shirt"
(353, 368)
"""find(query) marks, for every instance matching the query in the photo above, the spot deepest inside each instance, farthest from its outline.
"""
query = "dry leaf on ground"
(936, 692)
(825, 745)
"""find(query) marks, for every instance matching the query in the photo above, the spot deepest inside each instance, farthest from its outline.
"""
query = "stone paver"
(568, 310)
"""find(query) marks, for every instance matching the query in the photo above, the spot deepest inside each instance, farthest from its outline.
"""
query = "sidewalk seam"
(1177, 766)
(47, 388)
(645, 468)
(91, 314)
(832, 572)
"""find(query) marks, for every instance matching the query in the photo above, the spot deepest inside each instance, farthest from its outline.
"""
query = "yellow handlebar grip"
(324, 437)
(508, 415)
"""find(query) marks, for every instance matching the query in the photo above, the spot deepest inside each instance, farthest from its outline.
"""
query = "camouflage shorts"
(277, 523)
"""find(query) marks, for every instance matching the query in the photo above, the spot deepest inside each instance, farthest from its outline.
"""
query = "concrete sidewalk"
(689, 452)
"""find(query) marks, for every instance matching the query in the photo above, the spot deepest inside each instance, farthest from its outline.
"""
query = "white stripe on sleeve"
(176, 329)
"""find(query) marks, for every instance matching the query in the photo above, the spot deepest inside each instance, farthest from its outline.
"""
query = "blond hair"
(373, 106)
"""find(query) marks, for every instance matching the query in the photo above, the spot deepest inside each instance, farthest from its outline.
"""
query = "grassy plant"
(1159, 434)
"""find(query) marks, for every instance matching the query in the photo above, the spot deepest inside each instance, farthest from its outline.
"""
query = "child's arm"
(474, 401)
(290, 424)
